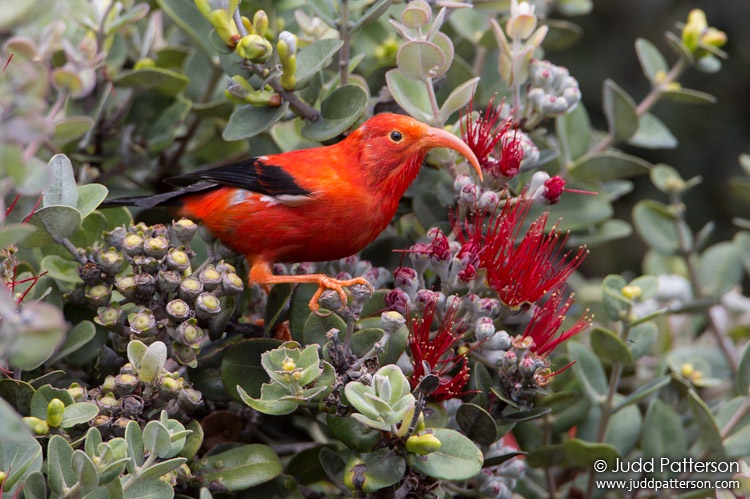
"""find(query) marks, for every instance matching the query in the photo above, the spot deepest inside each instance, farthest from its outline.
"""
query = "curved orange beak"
(437, 137)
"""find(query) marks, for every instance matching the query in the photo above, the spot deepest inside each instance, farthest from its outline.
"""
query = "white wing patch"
(243, 196)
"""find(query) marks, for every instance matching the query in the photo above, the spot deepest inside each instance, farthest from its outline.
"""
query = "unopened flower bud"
(398, 301)
(488, 201)
(468, 195)
(177, 260)
(423, 444)
(288, 365)
(190, 289)
(77, 392)
(108, 402)
(207, 306)
(490, 307)
(460, 182)
(485, 329)
(255, 48)
(184, 229)
(406, 279)
(522, 21)
(38, 426)
(527, 367)
(156, 247)
(169, 387)
(260, 22)
(427, 297)
(55, 410)
(108, 385)
(499, 341)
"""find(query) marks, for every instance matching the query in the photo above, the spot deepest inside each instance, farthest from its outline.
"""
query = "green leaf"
(71, 128)
(382, 469)
(374, 11)
(742, 380)
(156, 439)
(663, 435)
(316, 327)
(608, 165)
(241, 366)
(524, 415)
(152, 362)
(134, 438)
(162, 468)
(410, 95)
(477, 424)
(688, 96)
(20, 453)
(85, 470)
(187, 16)
(619, 109)
(270, 400)
(652, 133)
(665, 178)
(161, 80)
(305, 466)
(18, 394)
(60, 221)
(582, 454)
(420, 60)
(624, 428)
(35, 487)
(43, 396)
(277, 307)
(657, 226)
(708, 431)
(11, 234)
(720, 269)
(457, 459)
(313, 58)
(35, 340)
(59, 472)
(147, 489)
(573, 130)
(239, 468)
(605, 232)
(561, 35)
(76, 338)
(610, 347)
(641, 338)
(589, 371)
(62, 189)
(652, 61)
(161, 133)
(338, 112)
(248, 121)
(458, 98)
(352, 433)
(79, 413)
(642, 392)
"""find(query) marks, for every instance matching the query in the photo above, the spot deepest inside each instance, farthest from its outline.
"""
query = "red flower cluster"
(437, 351)
(498, 150)
(548, 318)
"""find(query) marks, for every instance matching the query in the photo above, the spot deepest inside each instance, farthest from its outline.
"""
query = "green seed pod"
(142, 323)
(77, 392)
(108, 402)
(185, 355)
(422, 444)
(210, 278)
(132, 244)
(156, 247)
(178, 310)
(146, 285)
(169, 387)
(146, 264)
(126, 384)
(189, 399)
(177, 260)
(110, 261)
(189, 333)
(190, 288)
(126, 286)
(55, 410)
(168, 281)
(184, 230)
(108, 385)
(37, 425)
(99, 295)
(207, 306)
(231, 284)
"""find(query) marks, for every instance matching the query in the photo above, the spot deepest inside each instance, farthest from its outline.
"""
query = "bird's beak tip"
(443, 138)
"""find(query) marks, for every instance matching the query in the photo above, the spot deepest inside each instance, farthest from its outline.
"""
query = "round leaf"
(609, 165)
(477, 423)
(420, 60)
(239, 468)
(663, 434)
(248, 121)
(338, 112)
(720, 269)
(610, 347)
(314, 57)
(657, 226)
(652, 62)
(161, 80)
(619, 108)
(457, 459)
(62, 189)
(410, 96)
(241, 366)
(58, 220)
(589, 370)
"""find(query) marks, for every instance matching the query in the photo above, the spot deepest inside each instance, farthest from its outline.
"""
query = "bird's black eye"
(396, 136)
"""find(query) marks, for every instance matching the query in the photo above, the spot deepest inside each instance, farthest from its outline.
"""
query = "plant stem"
(345, 36)
(687, 249)
(436, 121)
(648, 102)
(297, 105)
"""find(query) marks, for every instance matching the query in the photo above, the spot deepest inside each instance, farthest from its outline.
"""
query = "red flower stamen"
(499, 152)
(438, 352)
(546, 321)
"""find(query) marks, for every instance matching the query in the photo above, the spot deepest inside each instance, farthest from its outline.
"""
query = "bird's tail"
(165, 199)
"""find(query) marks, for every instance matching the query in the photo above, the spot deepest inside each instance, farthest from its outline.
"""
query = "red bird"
(314, 204)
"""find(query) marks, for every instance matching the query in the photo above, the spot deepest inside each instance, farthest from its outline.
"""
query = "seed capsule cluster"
(143, 287)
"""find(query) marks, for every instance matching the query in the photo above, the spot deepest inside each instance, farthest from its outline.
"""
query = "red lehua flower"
(499, 153)
(546, 321)
(438, 353)
(521, 273)
(553, 189)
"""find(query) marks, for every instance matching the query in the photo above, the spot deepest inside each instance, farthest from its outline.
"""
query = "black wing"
(251, 174)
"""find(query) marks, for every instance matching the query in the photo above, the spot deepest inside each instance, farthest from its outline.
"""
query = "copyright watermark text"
(664, 467)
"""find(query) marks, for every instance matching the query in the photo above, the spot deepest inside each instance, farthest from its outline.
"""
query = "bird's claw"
(338, 286)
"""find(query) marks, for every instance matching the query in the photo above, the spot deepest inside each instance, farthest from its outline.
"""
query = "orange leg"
(260, 273)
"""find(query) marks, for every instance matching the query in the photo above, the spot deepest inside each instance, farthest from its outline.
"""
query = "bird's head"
(390, 143)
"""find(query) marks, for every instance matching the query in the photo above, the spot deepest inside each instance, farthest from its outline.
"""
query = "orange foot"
(260, 273)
